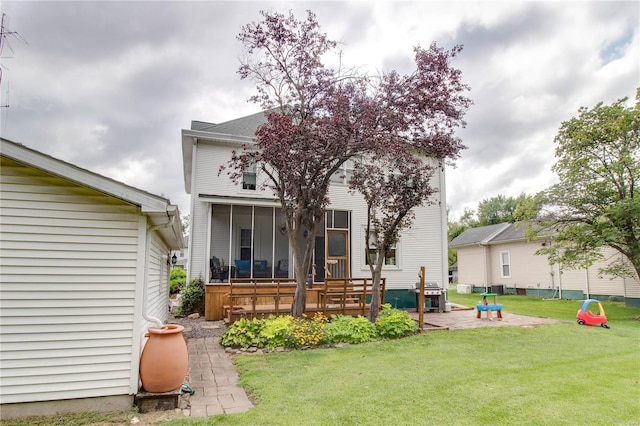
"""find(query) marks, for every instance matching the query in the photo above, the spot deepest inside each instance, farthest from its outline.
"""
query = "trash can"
(497, 289)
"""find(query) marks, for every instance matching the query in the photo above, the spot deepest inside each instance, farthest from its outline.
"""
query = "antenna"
(5, 33)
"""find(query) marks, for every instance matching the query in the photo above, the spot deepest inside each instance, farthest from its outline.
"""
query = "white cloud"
(109, 85)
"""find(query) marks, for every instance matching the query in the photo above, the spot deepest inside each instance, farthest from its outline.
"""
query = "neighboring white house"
(181, 256)
(500, 255)
(83, 275)
(238, 230)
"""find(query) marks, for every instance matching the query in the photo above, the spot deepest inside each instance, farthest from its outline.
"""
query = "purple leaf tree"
(396, 128)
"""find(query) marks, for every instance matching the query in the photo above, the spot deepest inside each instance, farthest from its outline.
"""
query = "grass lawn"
(559, 374)
(549, 375)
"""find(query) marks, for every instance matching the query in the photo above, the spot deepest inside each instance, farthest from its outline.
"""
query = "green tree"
(502, 209)
(457, 227)
(597, 200)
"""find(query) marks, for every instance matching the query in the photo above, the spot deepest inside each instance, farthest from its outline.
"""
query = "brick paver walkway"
(214, 380)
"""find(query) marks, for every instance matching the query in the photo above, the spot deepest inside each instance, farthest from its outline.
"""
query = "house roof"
(243, 126)
(157, 208)
(480, 235)
(491, 234)
(236, 132)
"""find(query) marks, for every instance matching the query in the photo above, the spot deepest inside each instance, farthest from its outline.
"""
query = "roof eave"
(193, 137)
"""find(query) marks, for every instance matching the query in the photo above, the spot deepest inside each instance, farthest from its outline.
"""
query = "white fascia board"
(240, 201)
(190, 138)
(172, 232)
(20, 153)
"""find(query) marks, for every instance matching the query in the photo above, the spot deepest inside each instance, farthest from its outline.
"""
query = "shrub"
(303, 332)
(348, 329)
(177, 280)
(278, 331)
(192, 297)
(394, 323)
(245, 333)
(309, 332)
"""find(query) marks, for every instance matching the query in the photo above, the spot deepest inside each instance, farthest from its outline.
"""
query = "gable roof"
(157, 208)
(236, 132)
(480, 235)
(491, 234)
(243, 126)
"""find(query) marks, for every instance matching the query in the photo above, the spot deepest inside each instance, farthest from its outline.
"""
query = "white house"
(500, 255)
(84, 274)
(238, 230)
(181, 256)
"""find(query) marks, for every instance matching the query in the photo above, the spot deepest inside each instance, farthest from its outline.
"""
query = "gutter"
(147, 255)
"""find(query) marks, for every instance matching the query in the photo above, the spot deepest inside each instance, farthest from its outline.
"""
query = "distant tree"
(184, 223)
(597, 200)
(502, 209)
(457, 227)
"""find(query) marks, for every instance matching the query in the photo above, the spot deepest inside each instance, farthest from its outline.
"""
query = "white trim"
(148, 202)
(502, 264)
(190, 140)
(136, 346)
(444, 230)
(363, 253)
(193, 207)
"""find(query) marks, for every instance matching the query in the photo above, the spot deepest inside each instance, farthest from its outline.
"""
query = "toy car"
(585, 316)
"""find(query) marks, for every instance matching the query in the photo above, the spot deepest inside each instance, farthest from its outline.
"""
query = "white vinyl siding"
(422, 245)
(69, 260)
(157, 280)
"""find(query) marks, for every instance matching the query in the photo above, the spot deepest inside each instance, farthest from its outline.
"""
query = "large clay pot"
(165, 360)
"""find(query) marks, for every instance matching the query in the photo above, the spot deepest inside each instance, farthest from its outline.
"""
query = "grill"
(433, 297)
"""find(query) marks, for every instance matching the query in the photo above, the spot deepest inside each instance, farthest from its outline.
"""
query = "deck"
(263, 297)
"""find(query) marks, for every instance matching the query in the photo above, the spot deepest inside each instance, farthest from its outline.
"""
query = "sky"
(108, 86)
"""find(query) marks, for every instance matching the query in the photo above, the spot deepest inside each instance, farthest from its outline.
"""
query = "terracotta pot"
(165, 360)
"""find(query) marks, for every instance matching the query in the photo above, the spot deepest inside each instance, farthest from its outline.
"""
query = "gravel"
(197, 327)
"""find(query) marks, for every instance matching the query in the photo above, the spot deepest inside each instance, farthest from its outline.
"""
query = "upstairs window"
(249, 177)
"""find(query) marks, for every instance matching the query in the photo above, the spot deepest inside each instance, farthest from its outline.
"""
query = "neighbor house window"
(505, 264)
(390, 259)
(249, 177)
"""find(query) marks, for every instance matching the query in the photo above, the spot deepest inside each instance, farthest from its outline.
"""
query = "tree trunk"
(376, 274)
(299, 305)
(303, 265)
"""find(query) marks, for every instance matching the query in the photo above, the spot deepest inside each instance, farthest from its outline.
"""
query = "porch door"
(337, 259)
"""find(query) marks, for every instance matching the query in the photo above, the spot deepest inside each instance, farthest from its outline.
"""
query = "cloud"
(109, 85)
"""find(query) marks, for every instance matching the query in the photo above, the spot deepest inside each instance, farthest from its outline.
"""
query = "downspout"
(147, 254)
(443, 233)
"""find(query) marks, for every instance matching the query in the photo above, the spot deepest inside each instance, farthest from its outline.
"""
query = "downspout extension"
(147, 253)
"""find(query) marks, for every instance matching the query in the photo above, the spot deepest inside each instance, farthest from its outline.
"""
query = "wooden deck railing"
(262, 297)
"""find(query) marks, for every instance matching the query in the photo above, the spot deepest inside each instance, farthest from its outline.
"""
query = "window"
(249, 177)
(245, 244)
(343, 175)
(505, 264)
(390, 258)
(338, 219)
